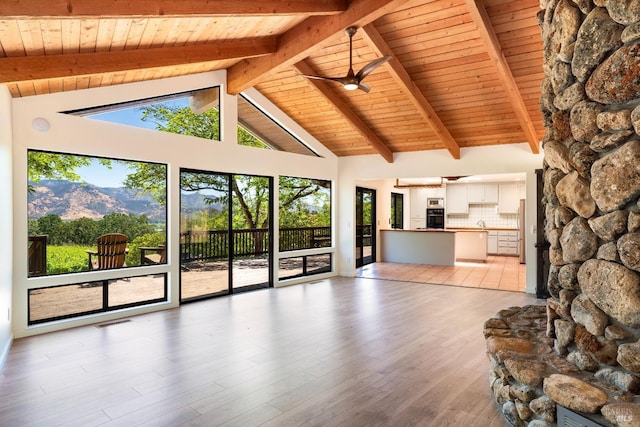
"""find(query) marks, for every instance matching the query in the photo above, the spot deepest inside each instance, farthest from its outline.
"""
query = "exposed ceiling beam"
(341, 108)
(402, 78)
(23, 68)
(297, 43)
(13, 9)
(491, 42)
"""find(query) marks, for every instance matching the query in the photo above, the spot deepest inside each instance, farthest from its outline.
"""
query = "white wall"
(79, 135)
(373, 171)
(74, 134)
(6, 224)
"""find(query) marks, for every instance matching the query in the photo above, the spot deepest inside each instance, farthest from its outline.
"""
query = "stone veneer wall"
(582, 350)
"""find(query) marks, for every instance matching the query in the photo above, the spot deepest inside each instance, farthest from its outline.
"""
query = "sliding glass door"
(251, 231)
(225, 233)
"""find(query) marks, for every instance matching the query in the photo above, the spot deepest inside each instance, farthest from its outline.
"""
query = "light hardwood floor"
(337, 352)
(503, 273)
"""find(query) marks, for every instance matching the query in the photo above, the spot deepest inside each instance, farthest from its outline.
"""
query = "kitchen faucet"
(481, 224)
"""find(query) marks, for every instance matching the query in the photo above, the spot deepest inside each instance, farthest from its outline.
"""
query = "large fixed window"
(305, 223)
(305, 213)
(257, 129)
(94, 213)
(79, 299)
(194, 113)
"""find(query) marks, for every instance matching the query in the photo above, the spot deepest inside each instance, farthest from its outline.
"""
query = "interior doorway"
(365, 226)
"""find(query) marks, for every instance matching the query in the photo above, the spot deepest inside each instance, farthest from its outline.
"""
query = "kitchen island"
(471, 245)
(428, 246)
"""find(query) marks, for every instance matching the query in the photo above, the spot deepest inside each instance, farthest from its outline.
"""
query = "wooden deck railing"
(37, 255)
(214, 244)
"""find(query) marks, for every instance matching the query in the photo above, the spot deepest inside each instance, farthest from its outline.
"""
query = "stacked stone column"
(591, 108)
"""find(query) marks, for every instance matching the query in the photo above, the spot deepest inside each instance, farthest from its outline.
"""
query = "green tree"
(50, 225)
(81, 231)
(247, 139)
(33, 227)
(148, 178)
(44, 165)
(127, 224)
(304, 202)
(182, 120)
(249, 194)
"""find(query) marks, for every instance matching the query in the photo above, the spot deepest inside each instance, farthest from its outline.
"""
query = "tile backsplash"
(487, 213)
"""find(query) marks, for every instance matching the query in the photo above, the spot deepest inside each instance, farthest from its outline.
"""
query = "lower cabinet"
(502, 242)
(492, 243)
(417, 223)
(507, 242)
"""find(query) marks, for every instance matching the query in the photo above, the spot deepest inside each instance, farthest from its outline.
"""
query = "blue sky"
(129, 116)
(132, 116)
(100, 175)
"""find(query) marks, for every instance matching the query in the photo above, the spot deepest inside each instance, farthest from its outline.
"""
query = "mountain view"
(74, 200)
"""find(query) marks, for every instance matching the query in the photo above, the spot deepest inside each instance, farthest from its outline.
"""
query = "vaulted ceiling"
(463, 73)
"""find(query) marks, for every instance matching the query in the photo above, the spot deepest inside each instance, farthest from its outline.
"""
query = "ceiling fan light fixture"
(353, 81)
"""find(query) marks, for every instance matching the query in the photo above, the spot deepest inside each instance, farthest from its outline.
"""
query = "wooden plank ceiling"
(463, 73)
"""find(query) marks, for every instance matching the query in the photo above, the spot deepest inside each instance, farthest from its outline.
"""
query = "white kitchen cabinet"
(508, 242)
(417, 223)
(491, 193)
(456, 200)
(522, 190)
(492, 242)
(482, 193)
(509, 198)
(418, 197)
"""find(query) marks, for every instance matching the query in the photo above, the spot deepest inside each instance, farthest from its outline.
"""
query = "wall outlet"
(9, 314)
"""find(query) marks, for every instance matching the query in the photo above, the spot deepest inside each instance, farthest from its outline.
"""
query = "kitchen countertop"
(480, 229)
(423, 230)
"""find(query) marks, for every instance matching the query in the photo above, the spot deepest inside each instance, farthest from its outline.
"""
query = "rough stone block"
(574, 394)
(629, 356)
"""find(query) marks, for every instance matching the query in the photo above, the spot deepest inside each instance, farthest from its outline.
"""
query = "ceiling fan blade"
(332, 79)
(351, 81)
(371, 66)
(364, 87)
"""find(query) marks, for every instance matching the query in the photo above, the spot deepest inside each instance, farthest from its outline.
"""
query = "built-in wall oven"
(435, 213)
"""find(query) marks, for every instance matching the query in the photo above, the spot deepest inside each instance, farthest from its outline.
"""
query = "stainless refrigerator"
(522, 231)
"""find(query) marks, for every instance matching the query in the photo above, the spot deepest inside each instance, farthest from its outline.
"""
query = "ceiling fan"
(353, 81)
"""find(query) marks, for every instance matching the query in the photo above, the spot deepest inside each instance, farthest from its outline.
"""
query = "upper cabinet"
(522, 190)
(506, 195)
(418, 198)
(482, 193)
(509, 202)
(457, 201)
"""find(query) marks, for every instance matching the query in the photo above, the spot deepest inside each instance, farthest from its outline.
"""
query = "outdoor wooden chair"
(153, 255)
(112, 249)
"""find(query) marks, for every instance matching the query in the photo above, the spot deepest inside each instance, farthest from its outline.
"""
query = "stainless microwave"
(435, 203)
